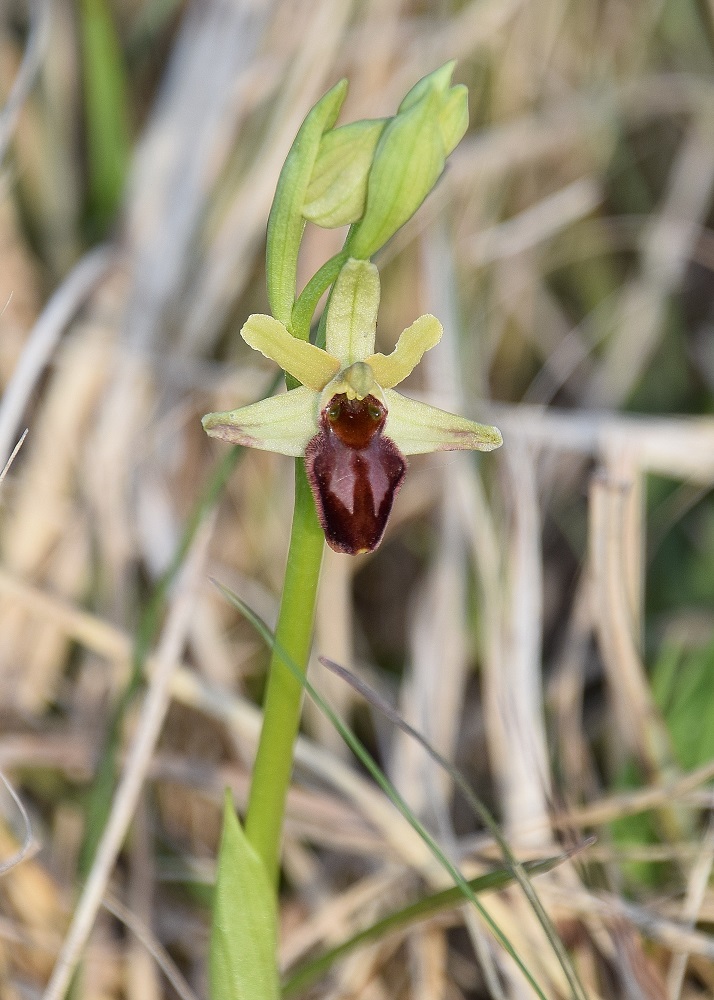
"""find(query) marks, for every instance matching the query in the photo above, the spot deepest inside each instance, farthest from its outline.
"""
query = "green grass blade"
(105, 108)
(101, 792)
(420, 910)
(517, 869)
(381, 779)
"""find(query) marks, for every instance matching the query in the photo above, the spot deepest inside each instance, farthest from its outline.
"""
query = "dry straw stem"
(678, 447)
(44, 531)
(33, 55)
(675, 936)
(13, 455)
(143, 961)
(628, 448)
(697, 885)
(43, 339)
(189, 688)
(632, 700)
(431, 699)
(149, 724)
(150, 947)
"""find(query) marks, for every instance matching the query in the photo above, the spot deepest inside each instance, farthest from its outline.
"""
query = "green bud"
(410, 158)
(338, 186)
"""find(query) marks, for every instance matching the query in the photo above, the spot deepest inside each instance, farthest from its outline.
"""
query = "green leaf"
(286, 222)
(243, 964)
(683, 686)
(338, 187)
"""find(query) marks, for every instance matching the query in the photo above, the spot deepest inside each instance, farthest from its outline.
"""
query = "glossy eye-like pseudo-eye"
(354, 472)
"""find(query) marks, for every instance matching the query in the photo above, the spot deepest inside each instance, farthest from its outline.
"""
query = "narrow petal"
(390, 369)
(352, 314)
(282, 423)
(416, 428)
(305, 362)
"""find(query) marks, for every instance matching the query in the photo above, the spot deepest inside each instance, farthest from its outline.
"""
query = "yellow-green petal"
(417, 428)
(352, 313)
(283, 424)
(305, 362)
(390, 369)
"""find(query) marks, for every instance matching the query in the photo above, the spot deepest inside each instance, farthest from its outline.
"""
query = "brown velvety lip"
(354, 472)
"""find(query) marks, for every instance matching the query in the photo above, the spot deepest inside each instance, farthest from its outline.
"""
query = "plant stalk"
(283, 696)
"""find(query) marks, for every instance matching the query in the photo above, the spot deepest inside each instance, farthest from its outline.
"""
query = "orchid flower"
(352, 428)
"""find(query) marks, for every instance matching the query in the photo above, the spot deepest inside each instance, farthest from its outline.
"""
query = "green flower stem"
(283, 696)
(306, 303)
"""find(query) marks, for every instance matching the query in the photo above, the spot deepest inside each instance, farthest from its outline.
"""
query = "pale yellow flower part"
(283, 424)
(305, 362)
(286, 423)
(417, 428)
(391, 369)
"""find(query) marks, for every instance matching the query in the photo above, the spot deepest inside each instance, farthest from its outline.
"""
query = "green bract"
(287, 423)
(338, 188)
(286, 222)
(410, 158)
(372, 175)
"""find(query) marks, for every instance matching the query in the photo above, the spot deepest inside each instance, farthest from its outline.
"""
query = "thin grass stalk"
(517, 869)
(281, 655)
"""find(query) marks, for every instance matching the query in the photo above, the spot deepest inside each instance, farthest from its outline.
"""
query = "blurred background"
(543, 615)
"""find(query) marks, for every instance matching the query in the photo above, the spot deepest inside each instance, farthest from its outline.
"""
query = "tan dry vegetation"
(506, 613)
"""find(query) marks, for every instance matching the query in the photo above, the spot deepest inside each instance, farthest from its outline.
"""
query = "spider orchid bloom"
(346, 419)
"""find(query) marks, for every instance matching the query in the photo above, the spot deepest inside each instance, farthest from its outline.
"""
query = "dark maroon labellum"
(354, 472)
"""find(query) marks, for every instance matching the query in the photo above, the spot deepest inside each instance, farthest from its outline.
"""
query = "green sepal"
(352, 313)
(338, 187)
(286, 222)
(418, 428)
(410, 158)
(243, 952)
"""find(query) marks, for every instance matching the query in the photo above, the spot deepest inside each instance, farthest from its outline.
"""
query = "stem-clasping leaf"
(243, 963)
